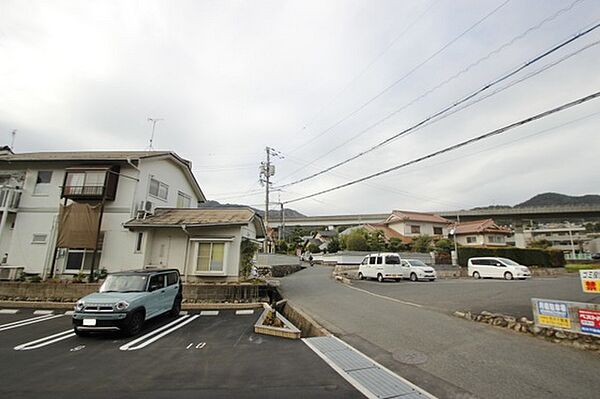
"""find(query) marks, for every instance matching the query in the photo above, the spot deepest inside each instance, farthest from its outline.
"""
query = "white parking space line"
(183, 313)
(43, 312)
(8, 311)
(39, 343)
(154, 336)
(209, 313)
(69, 313)
(244, 312)
(26, 322)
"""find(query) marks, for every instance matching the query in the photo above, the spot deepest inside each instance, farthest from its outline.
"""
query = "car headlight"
(121, 305)
(79, 305)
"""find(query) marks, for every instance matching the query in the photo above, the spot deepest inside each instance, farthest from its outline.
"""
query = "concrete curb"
(185, 306)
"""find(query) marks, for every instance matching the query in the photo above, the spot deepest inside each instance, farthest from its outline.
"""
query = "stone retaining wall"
(192, 293)
(524, 325)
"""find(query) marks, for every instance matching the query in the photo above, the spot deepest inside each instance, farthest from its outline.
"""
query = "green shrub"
(333, 246)
(357, 240)
(314, 248)
(422, 243)
(527, 257)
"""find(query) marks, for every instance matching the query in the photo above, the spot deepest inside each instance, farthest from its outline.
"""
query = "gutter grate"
(369, 377)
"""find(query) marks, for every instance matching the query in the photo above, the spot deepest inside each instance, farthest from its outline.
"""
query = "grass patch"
(577, 267)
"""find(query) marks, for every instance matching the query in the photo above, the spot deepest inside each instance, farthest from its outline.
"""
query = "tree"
(422, 243)
(540, 244)
(357, 240)
(396, 245)
(333, 245)
(313, 248)
(444, 245)
(281, 247)
(376, 241)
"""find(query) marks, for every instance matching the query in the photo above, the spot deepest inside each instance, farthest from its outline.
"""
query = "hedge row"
(527, 257)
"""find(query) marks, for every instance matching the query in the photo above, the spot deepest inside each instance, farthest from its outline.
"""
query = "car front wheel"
(135, 323)
(508, 276)
(413, 277)
(360, 276)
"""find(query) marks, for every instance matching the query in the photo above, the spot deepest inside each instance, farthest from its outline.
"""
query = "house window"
(438, 231)
(471, 239)
(415, 229)
(81, 260)
(85, 183)
(496, 239)
(42, 182)
(39, 238)
(183, 200)
(158, 189)
(211, 257)
(138, 242)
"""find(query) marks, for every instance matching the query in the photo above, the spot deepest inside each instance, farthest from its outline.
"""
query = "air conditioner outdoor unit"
(11, 272)
(145, 208)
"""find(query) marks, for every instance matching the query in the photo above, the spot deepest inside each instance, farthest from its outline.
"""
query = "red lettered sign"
(589, 321)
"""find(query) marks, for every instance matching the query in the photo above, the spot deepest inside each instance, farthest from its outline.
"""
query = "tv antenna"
(13, 134)
(154, 122)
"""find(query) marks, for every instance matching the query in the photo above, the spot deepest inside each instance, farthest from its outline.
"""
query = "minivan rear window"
(392, 260)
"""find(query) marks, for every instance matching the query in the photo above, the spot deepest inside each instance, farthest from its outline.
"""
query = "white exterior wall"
(482, 239)
(426, 228)
(167, 248)
(37, 214)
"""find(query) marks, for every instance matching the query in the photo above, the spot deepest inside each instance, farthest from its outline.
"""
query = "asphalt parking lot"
(200, 354)
(468, 294)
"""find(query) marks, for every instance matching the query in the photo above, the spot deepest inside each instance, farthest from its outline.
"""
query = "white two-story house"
(127, 184)
(412, 224)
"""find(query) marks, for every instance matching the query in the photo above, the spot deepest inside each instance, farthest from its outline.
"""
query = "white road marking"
(201, 345)
(38, 343)
(43, 312)
(244, 311)
(26, 322)
(69, 312)
(180, 322)
(384, 297)
(189, 346)
(8, 311)
(77, 348)
(209, 313)
(183, 313)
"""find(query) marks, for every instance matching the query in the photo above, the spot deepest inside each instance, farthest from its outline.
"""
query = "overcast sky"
(231, 77)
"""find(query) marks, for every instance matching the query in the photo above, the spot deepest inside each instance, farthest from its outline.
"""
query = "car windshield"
(417, 263)
(508, 262)
(124, 283)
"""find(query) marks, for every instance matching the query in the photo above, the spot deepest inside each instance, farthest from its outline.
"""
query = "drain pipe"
(187, 246)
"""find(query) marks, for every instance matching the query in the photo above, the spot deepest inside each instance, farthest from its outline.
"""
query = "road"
(498, 296)
(212, 356)
(457, 358)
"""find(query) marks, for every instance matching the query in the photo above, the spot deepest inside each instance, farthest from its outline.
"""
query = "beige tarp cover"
(78, 226)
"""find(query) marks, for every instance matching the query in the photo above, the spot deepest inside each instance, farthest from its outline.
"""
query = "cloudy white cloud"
(230, 78)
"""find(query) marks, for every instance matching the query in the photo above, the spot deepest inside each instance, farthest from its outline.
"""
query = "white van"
(497, 268)
(383, 265)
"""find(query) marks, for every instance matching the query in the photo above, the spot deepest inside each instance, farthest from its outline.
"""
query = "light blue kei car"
(127, 299)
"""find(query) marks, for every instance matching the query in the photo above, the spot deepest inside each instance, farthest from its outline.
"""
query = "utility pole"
(13, 134)
(154, 122)
(571, 238)
(267, 169)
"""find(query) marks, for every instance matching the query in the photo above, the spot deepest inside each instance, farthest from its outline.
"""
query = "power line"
(367, 67)
(451, 106)
(403, 77)
(456, 146)
(448, 80)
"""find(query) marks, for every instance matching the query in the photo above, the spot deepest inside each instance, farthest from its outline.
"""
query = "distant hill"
(273, 213)
(550, 199)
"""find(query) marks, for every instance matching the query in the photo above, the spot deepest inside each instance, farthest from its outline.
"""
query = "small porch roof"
(199, 217)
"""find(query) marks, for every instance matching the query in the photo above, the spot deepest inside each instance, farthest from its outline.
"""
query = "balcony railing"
(83, 191)
(14, 199)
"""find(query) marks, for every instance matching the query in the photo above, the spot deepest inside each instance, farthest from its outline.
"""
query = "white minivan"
(383, 265)
(497, 268)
